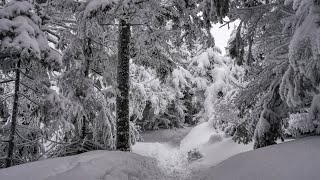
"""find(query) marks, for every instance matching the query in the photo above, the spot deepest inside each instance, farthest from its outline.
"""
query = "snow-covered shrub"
(154, 104)
(300, 124)
(221, 79)
(149, 99)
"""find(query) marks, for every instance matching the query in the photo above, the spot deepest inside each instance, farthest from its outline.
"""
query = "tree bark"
(87, 54)
(123, 123)
(8, 161)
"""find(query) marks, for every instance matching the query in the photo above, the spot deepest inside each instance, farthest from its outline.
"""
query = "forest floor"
(221, 159)
(171, 149)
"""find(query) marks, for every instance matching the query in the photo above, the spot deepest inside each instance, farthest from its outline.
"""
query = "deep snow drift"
(102, 165)
(214, 145)
(295, 160)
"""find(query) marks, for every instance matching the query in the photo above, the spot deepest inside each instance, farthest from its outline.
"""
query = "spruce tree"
(23, 48)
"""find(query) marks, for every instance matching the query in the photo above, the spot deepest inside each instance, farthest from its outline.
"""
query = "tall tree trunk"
(87, 56)
(8, 161)
(123, 126)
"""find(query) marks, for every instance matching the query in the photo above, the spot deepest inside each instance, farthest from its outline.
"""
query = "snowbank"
(170, 159)
(213, 144)
(294, 160)
(106, 165)
(198, 136)
(214, 154)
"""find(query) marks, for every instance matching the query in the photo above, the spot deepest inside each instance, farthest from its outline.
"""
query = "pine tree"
(279, 47)
(23, 47)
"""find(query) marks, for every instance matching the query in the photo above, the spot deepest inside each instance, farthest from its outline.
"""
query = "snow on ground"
(170, 160)
(94, 165)
(170, 163)
(214, 145)
(170, 136)
(294, 160)
(217, 152)
(198, 136)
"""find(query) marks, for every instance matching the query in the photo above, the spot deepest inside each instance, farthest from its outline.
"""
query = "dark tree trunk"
(123, 126)
(87, 55)
(8, 161)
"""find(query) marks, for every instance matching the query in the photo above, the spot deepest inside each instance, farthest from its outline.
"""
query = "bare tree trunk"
(8, 161)
(123, 126)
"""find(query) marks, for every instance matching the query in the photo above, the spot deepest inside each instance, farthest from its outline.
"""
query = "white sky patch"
(222, 35)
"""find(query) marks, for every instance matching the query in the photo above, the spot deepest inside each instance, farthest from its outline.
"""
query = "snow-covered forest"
(140, 90)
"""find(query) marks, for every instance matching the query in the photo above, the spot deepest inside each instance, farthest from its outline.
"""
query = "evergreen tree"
(277, 49)
(24, 49)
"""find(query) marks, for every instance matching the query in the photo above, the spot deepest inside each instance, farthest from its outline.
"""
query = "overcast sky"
(221, 35)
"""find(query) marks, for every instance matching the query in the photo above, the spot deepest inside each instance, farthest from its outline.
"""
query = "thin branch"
(29, 99)
(228, 23)
(29, 87)
(99, 89)
(52, 40)
(51, 32)
(26, 75)
(7, 81)
(263, 6)
(64, 26)
(3, 56)
(108, 24)
(103, 44)
(64, 20)
(130, 24)
(286, 12)
(95, 71)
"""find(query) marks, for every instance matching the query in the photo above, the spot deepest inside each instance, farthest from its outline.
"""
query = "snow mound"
(294, 160)
(170, 160)
(213, 146)
(103, 165)
(214, 138)
(198, 136)
(217, 152)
